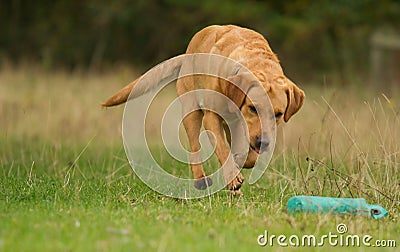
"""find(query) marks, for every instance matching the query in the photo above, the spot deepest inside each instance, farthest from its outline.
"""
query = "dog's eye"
(278, 115)
(253, 109)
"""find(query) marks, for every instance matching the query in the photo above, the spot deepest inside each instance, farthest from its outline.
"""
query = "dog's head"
(286, 99)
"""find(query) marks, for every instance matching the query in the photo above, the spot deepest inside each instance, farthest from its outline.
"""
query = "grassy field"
(65, 183)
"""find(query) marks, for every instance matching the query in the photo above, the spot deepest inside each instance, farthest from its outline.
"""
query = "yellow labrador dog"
(250, 49)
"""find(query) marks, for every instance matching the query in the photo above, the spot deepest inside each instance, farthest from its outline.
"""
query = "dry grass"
(59, 106)
(349, 140)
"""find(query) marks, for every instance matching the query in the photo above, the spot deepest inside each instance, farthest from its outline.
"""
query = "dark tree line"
(327, 35)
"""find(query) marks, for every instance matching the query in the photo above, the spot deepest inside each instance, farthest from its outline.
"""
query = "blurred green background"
(313, 39)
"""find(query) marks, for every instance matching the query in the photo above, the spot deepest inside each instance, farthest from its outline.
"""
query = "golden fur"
(250, 49)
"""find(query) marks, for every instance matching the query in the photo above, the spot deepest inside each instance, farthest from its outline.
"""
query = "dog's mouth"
(257, 150)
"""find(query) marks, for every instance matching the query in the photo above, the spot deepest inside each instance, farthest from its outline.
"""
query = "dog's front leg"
(233, 177)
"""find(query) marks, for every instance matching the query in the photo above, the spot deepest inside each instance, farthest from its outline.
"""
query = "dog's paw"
(235, 192)
(203, 183)
(236, 183)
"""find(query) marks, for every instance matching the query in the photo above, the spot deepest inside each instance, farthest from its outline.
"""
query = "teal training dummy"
(316, 204)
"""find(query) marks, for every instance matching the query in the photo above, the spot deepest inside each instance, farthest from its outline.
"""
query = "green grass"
(65, 183)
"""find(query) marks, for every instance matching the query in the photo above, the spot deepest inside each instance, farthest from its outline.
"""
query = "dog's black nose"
(261, 144)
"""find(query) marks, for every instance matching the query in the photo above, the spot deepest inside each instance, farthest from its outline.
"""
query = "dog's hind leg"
(192, 123)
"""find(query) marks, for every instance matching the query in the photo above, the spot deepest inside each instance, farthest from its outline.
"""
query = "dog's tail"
(160, 74)
(121, 96)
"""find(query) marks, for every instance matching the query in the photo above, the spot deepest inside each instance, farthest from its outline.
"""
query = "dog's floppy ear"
(295, 99)
(236, 94)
